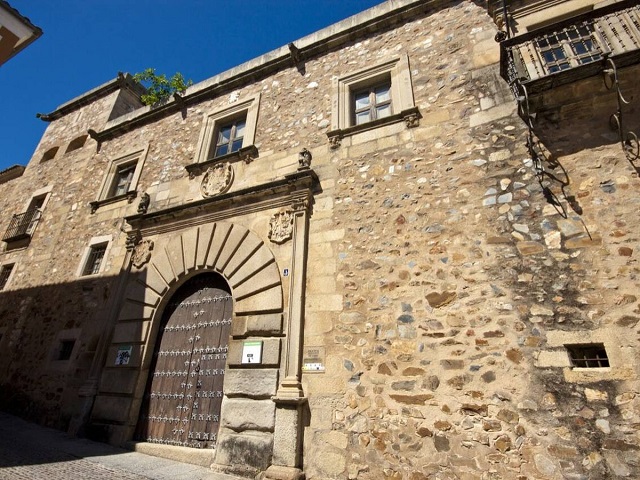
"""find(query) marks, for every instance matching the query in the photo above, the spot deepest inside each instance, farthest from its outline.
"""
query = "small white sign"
(124, 355)
(252, 352)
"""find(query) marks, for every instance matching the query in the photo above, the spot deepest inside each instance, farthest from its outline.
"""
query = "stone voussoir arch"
(232, 250)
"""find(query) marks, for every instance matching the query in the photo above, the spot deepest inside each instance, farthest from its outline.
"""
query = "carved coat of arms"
(281, 227)
(142, 253)
(217, 179)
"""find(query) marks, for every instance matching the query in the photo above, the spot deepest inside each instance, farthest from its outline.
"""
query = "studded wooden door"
(184, 393)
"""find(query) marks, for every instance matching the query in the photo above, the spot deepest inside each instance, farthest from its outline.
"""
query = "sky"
(87, 42)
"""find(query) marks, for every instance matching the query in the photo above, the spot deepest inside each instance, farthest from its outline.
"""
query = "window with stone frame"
(5, 273)
(372, 102)
(121, 179)
(229, 137)
(371, 98)
(228, 132)
(94, 259)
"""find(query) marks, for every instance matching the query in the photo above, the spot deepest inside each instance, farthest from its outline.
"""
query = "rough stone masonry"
(443, 277)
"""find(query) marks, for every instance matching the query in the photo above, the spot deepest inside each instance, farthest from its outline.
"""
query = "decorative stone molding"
(142, 253)
(217, 180)
(304, 159)
(133, 238)
(334, 141)
(143, 206)
(281, 227)
(245, 154)
(412, 119)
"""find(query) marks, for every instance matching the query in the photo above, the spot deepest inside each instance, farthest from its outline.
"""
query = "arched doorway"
(184, 391)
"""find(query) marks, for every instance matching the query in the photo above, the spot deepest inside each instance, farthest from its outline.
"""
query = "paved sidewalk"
(32, 452)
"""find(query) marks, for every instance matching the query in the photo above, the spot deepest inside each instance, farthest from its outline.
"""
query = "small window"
(229, 137)
(122, 179)
(94, 259)
(34, 212)
(66, 349)
(231, 129)
(372, 103)
(5, 273)
(76, 143)
(378, 96)
(592, 355)
(49, 154)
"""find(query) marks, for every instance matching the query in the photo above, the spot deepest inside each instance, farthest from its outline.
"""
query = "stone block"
(131, 332)
(266, 277)
(324, 303)
(530, 248)
(269, 300)
(118, 380)
(240, 414)
(584, 241)
(267, 324)
(270, 352)
(135, 311)
(251, 246)
(220, 233)
(111, 408)
(155, 281)
(258, 383)
(252, 450)
(205, 234)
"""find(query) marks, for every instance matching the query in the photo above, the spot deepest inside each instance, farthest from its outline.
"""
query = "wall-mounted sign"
(252, 351)
(124, 355)
(313, 360)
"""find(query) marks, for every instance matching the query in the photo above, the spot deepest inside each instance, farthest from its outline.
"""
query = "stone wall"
(444, 275)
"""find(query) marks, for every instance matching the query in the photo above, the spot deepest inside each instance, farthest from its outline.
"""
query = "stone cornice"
(378, 18)
(122, 81)
(10, 173)
(276, 193)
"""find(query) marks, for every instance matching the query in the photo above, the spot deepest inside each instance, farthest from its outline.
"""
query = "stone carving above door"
(142, 253)
(281, 227)
(217, 180)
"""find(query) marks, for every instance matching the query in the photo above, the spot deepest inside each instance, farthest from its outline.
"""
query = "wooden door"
(184, 393)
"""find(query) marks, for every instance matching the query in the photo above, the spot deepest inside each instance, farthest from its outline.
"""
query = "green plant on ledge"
(158, 87)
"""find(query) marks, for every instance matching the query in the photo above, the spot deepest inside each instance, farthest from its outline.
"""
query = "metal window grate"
(22, 225)
(569, 47)
(5, 272)
(592, 355)
(94, 260)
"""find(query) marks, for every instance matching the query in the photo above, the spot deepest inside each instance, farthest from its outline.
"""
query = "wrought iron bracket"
(628, 139)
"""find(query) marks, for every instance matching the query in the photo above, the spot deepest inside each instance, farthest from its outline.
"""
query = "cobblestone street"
(31, 452)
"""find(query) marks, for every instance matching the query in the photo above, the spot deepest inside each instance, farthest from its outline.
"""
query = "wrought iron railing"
(584, 40)
(22, 225)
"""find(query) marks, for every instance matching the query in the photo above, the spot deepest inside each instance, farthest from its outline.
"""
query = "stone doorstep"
(203, 458)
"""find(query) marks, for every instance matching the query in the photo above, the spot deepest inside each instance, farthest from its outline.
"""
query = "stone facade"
(434, 264)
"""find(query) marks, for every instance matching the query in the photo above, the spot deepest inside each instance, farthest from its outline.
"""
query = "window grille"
(569, 47)
(591, 355)
(5, 272)
(94, 260)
